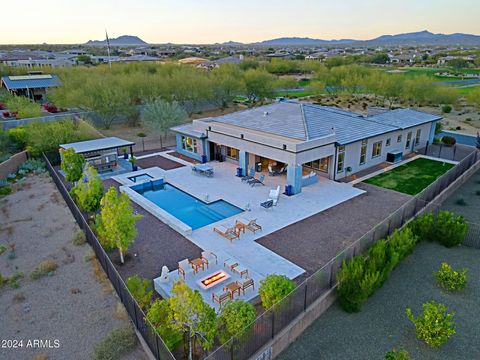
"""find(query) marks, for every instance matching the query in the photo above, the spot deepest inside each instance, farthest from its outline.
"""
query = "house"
(32, 86)
(208, 65)
(304, 137)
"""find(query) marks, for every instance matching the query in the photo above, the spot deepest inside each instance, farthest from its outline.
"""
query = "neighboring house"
(305, 137)
(446, 59)
(316, 56)
(33, 86)
(208, 65)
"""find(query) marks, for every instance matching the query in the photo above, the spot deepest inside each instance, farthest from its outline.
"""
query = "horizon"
(205, 22)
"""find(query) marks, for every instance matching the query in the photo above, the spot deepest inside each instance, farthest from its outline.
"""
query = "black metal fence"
(144, 327)
(271, 322)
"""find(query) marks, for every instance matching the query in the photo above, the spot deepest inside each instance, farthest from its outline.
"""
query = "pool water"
(139, 178)
(187, 208)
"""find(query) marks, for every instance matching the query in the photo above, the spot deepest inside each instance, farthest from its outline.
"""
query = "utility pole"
(108, 50)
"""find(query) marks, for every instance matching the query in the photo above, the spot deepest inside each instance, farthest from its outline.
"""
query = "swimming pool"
(139, 178)
(185, 207)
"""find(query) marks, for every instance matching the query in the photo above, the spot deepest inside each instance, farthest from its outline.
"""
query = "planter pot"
(134, 167)
(125, 156)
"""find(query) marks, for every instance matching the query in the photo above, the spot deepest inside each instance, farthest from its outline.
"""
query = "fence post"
(305, 298)
(273, 321)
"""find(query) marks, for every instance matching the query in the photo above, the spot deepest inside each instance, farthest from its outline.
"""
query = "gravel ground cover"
(160, 161)
(382, 323)
(76, 304)
(156, 245)
(468, 193)
(412, 177)
(312, 242)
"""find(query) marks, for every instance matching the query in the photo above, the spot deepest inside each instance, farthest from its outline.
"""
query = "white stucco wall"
(352, 151)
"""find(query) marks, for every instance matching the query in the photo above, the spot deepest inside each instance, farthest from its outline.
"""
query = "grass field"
(412, 177)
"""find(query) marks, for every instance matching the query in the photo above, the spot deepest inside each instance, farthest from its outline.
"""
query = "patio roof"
(97, 145)
(30, 81)
(187, 129)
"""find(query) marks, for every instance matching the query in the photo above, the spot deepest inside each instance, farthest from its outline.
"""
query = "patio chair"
(184, 268)
(209, 173)
(228, 233)
(208, 257)
(221, 298)
(194, 169)
(250, 225)
(246, 284)
(254, 181)
(250, 176)
(267, 204)
(274, 195)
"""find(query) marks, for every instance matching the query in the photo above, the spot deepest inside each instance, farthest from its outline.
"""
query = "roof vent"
(265, 113)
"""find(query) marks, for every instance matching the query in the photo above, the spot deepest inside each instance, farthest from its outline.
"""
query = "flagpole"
(108, 50)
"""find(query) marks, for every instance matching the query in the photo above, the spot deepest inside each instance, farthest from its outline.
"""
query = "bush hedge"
(449, 140)
(451, 279)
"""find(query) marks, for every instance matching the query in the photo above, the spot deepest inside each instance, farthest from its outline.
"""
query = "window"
(417, 137)
(320, 164)
(377, 149)
(388, 142)
(189, 144)
(341, 158)
(232, 153)
(363, 152)
(409, 140)
(399, 138)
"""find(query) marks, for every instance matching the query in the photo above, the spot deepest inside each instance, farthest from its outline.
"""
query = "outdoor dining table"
(232, 288)
(197, 264)
(204, 169)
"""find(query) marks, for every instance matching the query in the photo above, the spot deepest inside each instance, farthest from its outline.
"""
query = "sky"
(211, 21)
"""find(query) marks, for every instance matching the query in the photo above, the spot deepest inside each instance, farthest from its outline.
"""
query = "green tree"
(116, 225)
(160, 316)
(380, 58)
(72, 164)
(286, 83)
(89, 191)
(159, 116)
(274, 288)
(474, 98)
(227, 83)
(435, 325)
(141, 290)
(259, 85)
(235, 320)
(193, 316)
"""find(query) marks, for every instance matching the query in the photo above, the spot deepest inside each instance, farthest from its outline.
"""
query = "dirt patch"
(66, 304)
(160, 161)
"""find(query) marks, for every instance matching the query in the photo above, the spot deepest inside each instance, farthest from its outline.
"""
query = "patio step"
(211, 213)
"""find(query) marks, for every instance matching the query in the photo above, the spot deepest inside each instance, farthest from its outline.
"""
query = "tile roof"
(307, 121)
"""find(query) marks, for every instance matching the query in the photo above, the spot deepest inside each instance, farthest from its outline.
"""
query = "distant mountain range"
(415, 38)
(119, 41)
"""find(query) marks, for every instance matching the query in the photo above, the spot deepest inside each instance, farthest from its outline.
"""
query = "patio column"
(294, 177)
(243, 161)
(431, 136)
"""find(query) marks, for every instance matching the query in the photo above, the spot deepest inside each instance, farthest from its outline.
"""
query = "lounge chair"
(230, 263)
(184, 268)
(228, 233)
(246, 284)
(257, 181)
(209, 257)
(267, 204)
(250, 176)
(221, 298)
(274, 195)
(250, 225)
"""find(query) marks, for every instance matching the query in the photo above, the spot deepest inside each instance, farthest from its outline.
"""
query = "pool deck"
(225, 185)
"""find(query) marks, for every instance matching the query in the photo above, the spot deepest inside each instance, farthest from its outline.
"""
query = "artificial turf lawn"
(412, 177)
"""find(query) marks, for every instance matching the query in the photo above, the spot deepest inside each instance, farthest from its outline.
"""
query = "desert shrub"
(45, 268)
(18, 136)
(274, 288)
(13, 280)
(436, 140)
(79, 238)
(451, 279)
(434, 326)
(446, 109)
(89, 190)
(3, 281)
(446, 228)
(160, 315)
(5, 190)
(450, 229)
(35, 166)
(23, 107)
(349, 294)
(116, 344)
(394, 354)
(235, 319)
(141, 290)
(449, 140)
(461, 202)
(402, 242)
(3, 248)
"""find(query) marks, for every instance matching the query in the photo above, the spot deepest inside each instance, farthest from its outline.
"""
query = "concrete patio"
(225, 185)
